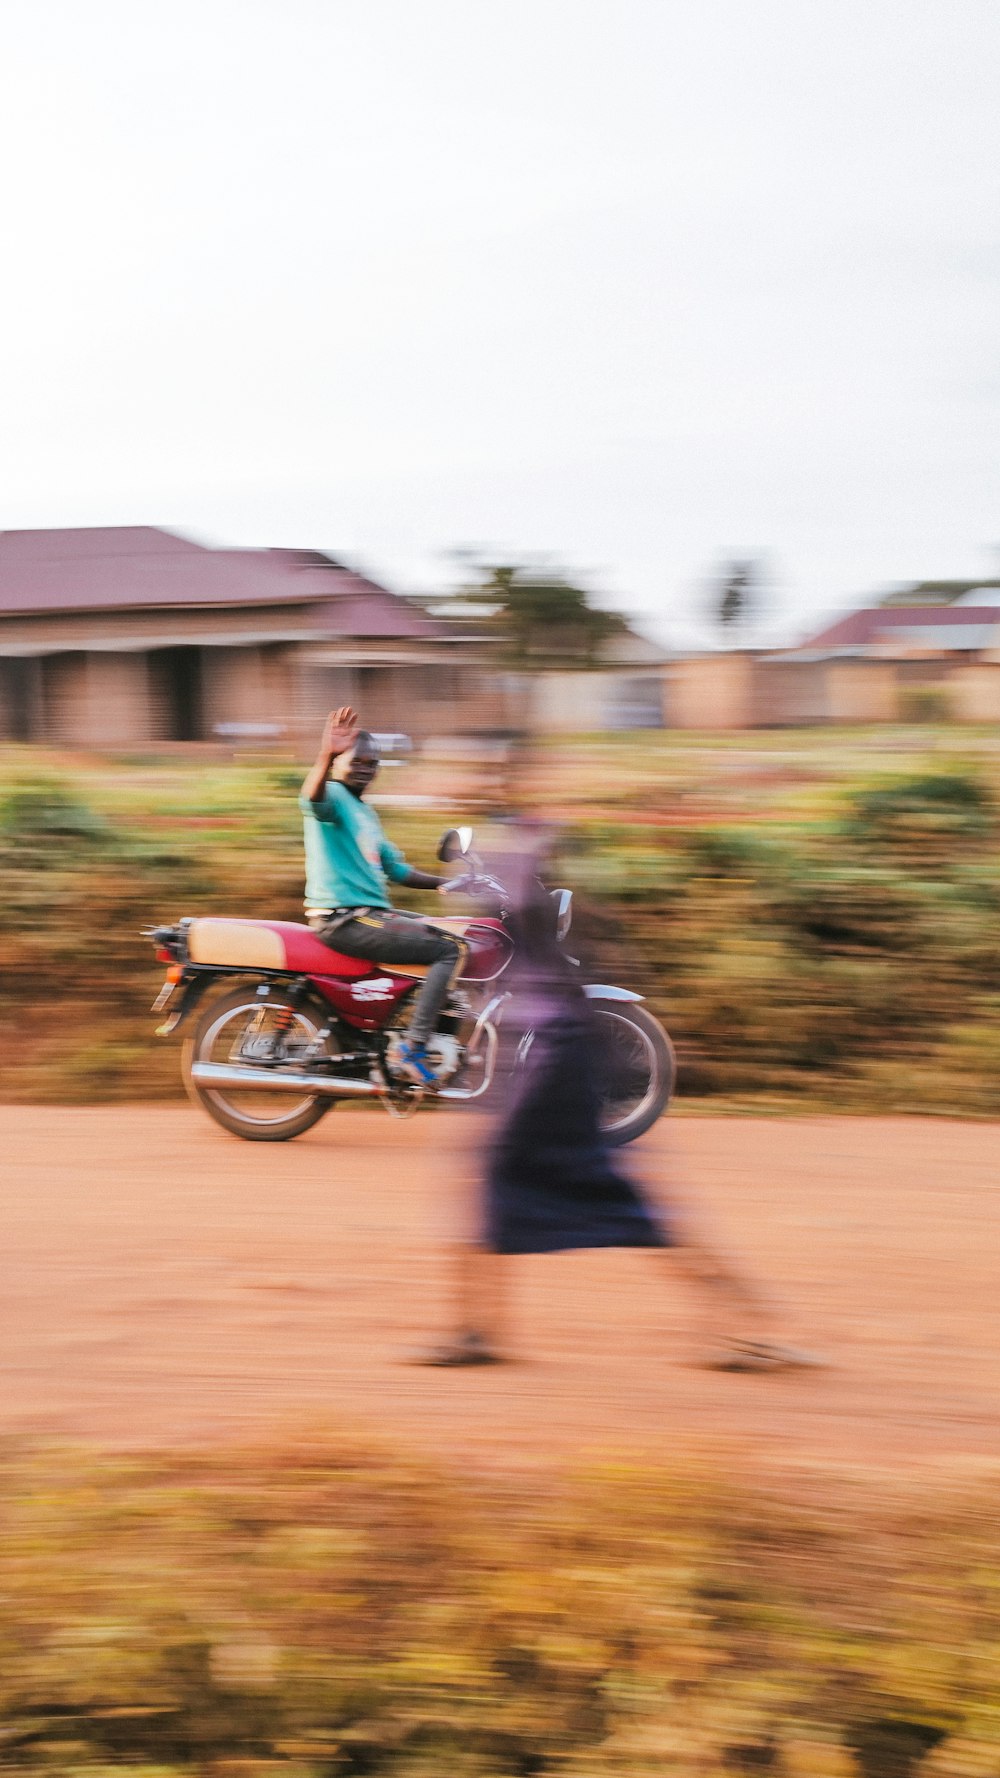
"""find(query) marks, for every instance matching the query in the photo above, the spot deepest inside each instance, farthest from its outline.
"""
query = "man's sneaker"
(415, 1064)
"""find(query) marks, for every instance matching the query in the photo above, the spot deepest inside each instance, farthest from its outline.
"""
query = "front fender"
(599, 991)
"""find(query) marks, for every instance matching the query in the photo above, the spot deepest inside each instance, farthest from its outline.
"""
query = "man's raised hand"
(340, 731)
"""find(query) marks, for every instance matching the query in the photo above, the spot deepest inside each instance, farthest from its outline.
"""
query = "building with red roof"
(901, 630)
(130, 635)
(931, 655)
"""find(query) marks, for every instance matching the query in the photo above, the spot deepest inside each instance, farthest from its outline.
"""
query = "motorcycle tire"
(256, 1117)
(639, 1064)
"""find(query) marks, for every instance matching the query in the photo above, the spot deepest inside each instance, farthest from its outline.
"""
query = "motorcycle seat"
(268, 944)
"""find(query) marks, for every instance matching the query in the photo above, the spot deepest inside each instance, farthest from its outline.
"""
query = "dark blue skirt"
(551, 1181)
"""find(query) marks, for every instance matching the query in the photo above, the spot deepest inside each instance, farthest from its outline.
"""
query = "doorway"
(176, 687)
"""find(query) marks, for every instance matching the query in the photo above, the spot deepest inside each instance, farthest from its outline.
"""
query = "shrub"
(931, 821)
(832, 956)
(797, 968)
(925, 703)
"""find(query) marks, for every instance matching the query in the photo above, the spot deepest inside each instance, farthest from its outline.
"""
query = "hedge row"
(848, 957)
(853, 960)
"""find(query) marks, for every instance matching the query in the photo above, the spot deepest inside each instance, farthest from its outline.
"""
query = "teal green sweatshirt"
(348, 857)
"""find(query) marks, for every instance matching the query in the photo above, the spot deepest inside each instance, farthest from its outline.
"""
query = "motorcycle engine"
(444, 1053)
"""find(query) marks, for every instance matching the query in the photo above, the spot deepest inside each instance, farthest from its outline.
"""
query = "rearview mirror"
(456, 843)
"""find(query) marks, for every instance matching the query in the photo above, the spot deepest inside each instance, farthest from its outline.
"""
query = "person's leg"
(481, 1280)
(476, 1279)
(442, 970)
(733, 1307)
(743, 1325)
(480, 1310)
(389, 939)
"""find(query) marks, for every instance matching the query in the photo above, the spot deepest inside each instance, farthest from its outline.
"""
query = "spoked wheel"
(636, 1069)
(241, 1029)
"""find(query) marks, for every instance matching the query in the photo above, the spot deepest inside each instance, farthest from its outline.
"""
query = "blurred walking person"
(551, 1183)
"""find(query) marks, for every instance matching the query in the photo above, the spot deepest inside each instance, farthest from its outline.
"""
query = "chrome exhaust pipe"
(461, 1095)
(275, 1080)
(331, 1086)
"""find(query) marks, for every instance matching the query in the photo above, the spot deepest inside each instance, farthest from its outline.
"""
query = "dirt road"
(164, 1282)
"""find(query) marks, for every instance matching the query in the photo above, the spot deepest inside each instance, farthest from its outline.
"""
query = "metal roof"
(946, 637)
(137, 567)
(880, 624)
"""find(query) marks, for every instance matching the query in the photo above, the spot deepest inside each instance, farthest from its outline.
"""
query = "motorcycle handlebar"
(475, 883)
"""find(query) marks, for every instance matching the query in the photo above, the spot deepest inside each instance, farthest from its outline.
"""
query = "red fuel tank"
(490, 950)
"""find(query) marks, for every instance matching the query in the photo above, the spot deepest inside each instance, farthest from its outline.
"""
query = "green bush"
(926, 703)
(33, 810)
(931, 820)
(829, 962)
(848, 955)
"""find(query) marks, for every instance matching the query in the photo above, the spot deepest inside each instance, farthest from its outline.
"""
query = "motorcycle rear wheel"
(637, 1069)
(227, 1030)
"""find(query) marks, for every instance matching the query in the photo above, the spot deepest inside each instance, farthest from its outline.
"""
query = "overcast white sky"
(637, 283)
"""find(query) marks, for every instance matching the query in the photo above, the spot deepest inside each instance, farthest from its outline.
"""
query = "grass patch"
(336, 1609)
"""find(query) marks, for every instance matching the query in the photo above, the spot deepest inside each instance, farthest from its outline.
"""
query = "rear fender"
(599, 991)
(192, 988)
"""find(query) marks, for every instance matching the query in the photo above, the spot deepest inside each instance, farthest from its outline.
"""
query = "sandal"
(465, 1349)
(761, 1355)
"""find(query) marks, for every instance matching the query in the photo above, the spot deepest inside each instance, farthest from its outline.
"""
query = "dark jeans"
(389, 938)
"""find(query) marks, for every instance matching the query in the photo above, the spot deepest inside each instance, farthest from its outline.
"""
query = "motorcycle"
(299, 1026)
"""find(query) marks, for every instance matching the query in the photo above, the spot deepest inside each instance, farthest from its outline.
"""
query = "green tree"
(736, 594)
(540, 618)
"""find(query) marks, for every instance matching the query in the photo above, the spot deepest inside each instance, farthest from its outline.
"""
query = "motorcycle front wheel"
(637, 1068)
(241, 1028)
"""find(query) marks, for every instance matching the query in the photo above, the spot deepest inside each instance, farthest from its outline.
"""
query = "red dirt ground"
(164, 1282)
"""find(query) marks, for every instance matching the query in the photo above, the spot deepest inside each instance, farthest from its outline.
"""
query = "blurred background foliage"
(331, 1609)
(535, 616)
(814, 917)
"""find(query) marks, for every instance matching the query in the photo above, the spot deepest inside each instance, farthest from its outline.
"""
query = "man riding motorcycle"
(349, 862)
